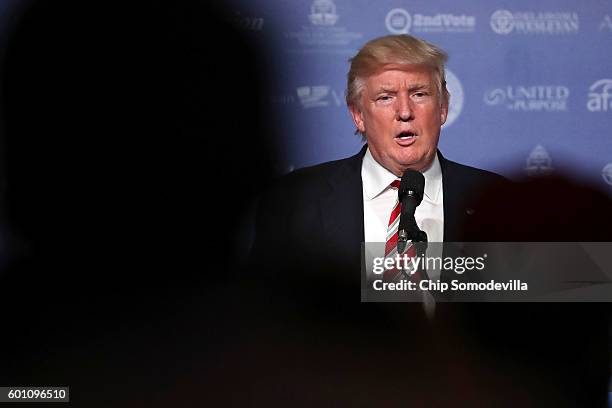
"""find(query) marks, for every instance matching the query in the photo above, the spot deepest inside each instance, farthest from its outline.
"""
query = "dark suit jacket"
(315, 214)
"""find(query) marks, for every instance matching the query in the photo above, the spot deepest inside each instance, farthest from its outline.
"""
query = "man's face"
(400, 113)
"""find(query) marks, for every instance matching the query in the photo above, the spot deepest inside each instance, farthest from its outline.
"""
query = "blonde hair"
(395, 49)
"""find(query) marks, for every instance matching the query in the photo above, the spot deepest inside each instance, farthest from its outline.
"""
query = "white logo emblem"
(319, 96)
(313, 96)
(539, 162)
(322, 34)
(398, 21)
(600, 96)
(606, 24)
(495, 97)
(456, 99)
(323, 12)
(502, 22)
(528, 22)
(606, 173)
(549, 98)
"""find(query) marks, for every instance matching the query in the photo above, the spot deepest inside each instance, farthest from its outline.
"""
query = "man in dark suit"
(398, 100)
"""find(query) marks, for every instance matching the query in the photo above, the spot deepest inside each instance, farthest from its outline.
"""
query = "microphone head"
(412, 186)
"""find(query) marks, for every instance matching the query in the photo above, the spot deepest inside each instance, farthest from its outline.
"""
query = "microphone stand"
(419, 239)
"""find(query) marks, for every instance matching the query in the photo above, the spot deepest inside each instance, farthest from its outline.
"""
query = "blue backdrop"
(530, 83)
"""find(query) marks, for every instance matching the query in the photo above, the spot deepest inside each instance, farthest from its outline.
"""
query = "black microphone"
(410, 194)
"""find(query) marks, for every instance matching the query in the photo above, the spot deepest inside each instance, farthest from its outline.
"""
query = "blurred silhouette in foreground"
(127, 131)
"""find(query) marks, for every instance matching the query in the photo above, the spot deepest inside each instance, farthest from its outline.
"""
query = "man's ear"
(444, 112)
(357, 115)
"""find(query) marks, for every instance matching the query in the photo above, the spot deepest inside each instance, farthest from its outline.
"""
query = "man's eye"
(384, 98)
(420, 94)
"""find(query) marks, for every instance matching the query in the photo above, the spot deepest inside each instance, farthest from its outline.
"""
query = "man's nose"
(404, 108)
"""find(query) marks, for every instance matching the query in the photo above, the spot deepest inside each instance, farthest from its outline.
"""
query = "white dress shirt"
(379, 199)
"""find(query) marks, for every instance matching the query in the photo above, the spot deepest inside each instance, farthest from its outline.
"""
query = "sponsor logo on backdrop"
(502, 22)
(600, 96)
(319, 96)
(539, 162)
(323, 12)
(537, 98)
(323, 34)
(606, 24)
(529, 22)
(456, 97)
(248, 23)
(399, 21)
(606, 173)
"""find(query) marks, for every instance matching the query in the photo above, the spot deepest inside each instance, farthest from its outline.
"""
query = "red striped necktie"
(391, 245)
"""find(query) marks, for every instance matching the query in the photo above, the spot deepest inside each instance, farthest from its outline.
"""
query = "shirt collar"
(377, 179)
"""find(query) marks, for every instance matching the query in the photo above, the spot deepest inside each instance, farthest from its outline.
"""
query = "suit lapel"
(453, 207)
(342, 208)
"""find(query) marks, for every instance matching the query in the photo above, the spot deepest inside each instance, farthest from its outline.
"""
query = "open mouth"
(406, 138)
(405, 135)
